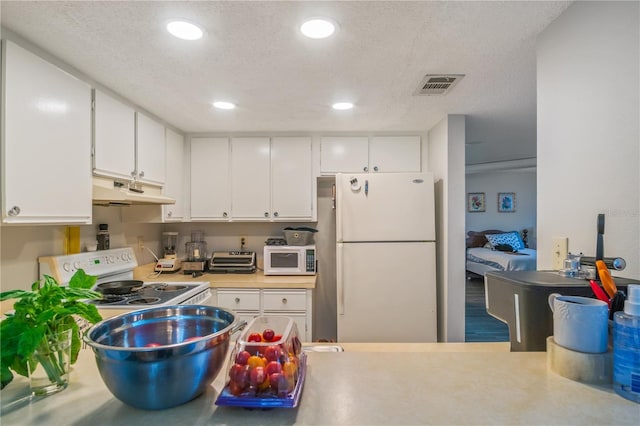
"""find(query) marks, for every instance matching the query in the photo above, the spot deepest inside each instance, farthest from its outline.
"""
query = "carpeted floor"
(479, 325)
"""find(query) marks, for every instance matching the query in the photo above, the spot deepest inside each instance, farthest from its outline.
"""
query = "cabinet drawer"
(239, 300)
(285, 301)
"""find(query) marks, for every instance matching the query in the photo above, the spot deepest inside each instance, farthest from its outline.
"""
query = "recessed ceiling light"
(184, 30)
(341, 106)
(318, 28)
(224, 105)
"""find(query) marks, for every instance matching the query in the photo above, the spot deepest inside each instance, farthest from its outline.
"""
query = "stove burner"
(143, 301)
(169, 288)
(106, 299)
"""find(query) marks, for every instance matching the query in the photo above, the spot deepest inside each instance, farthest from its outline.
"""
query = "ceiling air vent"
(437, 84)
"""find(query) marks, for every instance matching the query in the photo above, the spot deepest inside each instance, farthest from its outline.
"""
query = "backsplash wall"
(20, 246)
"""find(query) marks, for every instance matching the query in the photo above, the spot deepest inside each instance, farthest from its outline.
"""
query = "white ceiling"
(254, 55)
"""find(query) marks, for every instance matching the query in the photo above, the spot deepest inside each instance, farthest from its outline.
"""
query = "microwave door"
(284, 260)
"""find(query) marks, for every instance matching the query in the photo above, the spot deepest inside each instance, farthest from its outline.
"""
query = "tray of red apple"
(267, 366)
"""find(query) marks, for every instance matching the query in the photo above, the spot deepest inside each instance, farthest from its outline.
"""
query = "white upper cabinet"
(250, 167)
(251, 179)
(127, 144)
(174, 186)
(114, 137)
(344, 154)
(394, 154)
(360, 154)
(46, 145)
(150, 154)
(291, 178)
(209, 182)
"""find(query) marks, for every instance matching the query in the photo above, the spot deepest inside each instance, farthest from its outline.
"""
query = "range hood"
(110, 192)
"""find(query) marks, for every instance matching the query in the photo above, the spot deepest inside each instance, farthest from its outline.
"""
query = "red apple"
(255, 337)
(235, 388)
(239, 374)
(273, 367)
(274, 378)
(257, 376)
(242, 357)
(268, 334)
(272, 353)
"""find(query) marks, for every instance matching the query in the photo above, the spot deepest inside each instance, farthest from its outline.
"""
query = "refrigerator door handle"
(339, 280)
(338, 204)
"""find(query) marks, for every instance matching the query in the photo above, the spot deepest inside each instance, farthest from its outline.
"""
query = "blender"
(196, 254)
(169, 261)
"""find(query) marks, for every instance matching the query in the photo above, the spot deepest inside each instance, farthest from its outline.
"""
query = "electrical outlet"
(559, 252)
(140, 243)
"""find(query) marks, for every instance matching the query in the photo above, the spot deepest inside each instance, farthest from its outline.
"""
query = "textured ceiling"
(254, 55)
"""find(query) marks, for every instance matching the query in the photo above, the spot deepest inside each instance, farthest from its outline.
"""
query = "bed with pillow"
(495, 250)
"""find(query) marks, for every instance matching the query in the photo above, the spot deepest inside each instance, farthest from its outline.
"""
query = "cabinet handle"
(141, 173)
(170, 214)
(133, 173)
(14, 211)
(375, 168)
(365, 169)
(237, 300)
(225, 214)
(266, 214)
(275, 214)
(284, 300)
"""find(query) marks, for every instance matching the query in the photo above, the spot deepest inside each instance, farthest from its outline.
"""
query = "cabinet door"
(113, 138)
(344, 154)
(46, 151)
(210, 196)
(174, 185)
(150, 150)
(291, 183)
(394, 154)
(250, 178)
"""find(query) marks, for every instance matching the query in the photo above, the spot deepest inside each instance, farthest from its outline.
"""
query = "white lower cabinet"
(250, 303)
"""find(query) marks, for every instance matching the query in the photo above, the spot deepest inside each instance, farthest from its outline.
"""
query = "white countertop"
(373, 388)
(255, 280)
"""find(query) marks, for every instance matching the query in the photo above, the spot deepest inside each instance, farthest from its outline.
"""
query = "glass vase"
(49, 366)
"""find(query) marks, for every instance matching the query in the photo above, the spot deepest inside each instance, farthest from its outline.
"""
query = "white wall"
(588, 131)
(522, 183)
(446, 161)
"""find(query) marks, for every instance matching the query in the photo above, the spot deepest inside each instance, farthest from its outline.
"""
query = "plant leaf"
(29, 341)
(14, 294)
(82, 280)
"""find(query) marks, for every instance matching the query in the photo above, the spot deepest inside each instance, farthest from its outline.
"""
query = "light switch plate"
(560, 251)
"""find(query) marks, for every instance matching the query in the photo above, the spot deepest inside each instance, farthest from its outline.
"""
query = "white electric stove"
(118, 265)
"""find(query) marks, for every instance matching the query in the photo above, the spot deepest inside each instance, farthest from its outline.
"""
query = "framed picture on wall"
(475, 202)
(506, 202)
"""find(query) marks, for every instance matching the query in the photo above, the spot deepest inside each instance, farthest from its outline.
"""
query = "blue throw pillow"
(511, 238)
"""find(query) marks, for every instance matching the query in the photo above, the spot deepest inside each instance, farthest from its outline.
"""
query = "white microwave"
(289, 260)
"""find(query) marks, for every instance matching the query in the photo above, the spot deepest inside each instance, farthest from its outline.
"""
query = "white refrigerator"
(386, 265)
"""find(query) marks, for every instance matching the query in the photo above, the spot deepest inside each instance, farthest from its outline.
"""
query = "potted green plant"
(30, 335)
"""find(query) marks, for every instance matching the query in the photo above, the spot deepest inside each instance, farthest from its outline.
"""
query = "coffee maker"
(169, 261)
(196, 254)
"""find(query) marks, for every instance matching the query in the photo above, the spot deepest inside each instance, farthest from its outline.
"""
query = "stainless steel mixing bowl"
(162, 357)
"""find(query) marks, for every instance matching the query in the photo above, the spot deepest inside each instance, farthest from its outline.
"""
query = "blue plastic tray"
(268, 401)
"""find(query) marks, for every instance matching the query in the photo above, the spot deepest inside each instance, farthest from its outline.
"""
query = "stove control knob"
(76, 265)
(66, 267)
(110, 259)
